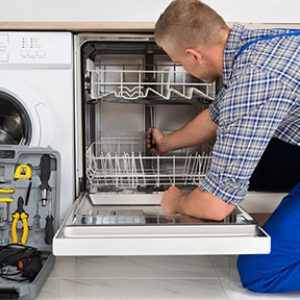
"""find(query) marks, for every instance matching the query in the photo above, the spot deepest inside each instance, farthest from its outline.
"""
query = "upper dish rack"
(132, 82)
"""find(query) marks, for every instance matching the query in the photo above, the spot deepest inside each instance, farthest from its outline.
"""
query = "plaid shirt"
(260, 100)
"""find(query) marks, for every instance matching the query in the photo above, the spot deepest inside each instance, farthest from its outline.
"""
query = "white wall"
(266, 11)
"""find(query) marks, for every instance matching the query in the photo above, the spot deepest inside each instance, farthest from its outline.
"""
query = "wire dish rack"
(118, 81)
(134, 170)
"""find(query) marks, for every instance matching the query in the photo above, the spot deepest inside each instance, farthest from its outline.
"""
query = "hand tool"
(6, 191)
(19, 215)
(6, 200)
(28, 193)
(36, 226)
(49, 231)
(23, 171)
(44, 176)
(2, 220)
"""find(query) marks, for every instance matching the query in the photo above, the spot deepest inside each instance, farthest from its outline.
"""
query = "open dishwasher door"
(116, 225)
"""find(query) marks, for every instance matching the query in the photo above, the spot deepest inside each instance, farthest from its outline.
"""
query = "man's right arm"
(197, 131)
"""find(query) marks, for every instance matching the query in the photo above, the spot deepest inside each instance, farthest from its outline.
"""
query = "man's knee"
(245, 272)
(268, 274)
(251, 273)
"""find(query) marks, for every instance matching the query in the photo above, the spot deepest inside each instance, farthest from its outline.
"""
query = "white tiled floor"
(152, 278)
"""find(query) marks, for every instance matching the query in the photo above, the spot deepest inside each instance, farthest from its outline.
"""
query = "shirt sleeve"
(250, 111)
(214, 107)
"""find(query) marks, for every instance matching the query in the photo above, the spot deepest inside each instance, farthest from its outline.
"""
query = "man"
(260, 100)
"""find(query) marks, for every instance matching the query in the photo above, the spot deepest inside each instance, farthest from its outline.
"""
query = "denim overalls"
(278, 271)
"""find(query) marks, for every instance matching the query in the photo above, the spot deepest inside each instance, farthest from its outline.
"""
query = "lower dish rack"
(134, 170)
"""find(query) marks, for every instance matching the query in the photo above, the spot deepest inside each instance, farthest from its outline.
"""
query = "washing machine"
(37, 97)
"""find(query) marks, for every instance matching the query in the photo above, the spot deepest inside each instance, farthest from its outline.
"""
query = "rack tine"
(119, 169)
(134, 172)
(142, 168)
(116, 169)
(103, 166)
(158, 172)
(174, 171)
(187, 168)
(126, 167)
(193, 168)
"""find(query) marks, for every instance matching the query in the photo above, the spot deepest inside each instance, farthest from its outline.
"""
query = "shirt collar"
(235, 41)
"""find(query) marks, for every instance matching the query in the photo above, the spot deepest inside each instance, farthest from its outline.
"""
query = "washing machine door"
(20, 106)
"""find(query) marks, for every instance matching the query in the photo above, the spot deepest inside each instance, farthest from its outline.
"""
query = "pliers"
(18, 215)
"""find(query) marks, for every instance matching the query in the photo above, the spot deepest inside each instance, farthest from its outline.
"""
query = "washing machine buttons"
(3, 39)
(40, 53)
(3, 56)
(24, 53)
(31, 53)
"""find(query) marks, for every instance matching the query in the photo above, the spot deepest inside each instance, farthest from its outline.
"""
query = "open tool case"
(16, 178)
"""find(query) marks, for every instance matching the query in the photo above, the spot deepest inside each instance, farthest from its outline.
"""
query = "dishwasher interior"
(130, 86)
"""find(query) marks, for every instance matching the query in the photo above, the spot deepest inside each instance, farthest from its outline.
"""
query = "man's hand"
(171, 200)
(155, 141)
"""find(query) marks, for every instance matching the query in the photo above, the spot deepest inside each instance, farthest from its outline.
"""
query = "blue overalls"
(278, 271)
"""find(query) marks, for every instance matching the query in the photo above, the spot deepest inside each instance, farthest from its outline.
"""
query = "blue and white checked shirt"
(260, 100)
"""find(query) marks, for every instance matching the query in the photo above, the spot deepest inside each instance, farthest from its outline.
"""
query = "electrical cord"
(27, 260)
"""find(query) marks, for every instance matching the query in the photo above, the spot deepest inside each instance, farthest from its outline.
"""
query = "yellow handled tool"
(6, 191)
(18, 215)
(6, 200)
(23, 171)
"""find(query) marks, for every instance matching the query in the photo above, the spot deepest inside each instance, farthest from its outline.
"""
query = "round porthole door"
(15, 125)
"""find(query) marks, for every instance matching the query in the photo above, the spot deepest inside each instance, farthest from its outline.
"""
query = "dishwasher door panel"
(117, 225)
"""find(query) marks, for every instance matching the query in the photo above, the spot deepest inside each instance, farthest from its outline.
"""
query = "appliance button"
(31, 53)
(3, 39)
(3, 56)
(24, 53)
(40, 53)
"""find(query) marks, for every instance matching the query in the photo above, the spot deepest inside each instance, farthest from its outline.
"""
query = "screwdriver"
(44, 176)
(49, 231)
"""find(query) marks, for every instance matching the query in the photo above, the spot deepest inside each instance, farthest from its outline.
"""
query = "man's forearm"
(195, 132)
(204, 205)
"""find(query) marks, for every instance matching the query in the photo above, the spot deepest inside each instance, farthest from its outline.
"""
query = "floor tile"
(224, 265)
(133, 267)
(133, 289)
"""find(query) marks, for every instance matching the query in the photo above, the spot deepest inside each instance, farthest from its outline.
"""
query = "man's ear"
(194, 54)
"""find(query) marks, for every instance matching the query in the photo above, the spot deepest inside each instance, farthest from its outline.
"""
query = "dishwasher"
(124, 85)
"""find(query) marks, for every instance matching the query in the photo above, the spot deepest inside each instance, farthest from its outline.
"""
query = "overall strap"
(265, 38)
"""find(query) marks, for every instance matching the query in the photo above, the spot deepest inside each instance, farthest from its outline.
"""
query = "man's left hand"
(170, 201)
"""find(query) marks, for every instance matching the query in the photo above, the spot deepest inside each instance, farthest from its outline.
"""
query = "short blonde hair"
(188, 23)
